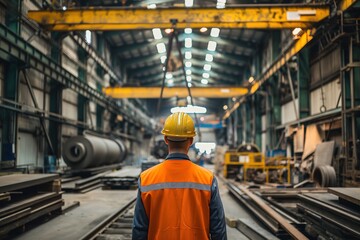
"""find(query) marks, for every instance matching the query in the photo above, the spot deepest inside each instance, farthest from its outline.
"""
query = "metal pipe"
(292, 90)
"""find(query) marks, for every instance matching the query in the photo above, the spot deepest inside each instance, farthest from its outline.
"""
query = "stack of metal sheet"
(82, 185)
(335, 214)
(126, 178)
(24, 198)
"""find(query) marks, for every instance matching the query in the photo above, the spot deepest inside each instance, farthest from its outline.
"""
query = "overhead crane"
(242, 16)
(181, 92)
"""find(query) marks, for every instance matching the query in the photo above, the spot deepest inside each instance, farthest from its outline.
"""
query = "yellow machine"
(247, 157)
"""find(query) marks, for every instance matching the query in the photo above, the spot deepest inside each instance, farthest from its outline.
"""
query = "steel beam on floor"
(243, 16)
(154, 92)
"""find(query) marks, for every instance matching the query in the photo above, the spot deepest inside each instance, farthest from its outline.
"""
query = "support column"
(100, 72)
(82, 101)
(10, 92)
(56, 95)
(303, 76)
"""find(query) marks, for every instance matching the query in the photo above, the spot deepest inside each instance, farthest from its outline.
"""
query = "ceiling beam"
(195, 37)
(154, 92)
(235, 70)
(198, 70)
(243, 16)
(241, 60)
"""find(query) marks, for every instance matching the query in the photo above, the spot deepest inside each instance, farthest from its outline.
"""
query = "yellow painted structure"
(181, 92)
(250, 160)
(245, 16)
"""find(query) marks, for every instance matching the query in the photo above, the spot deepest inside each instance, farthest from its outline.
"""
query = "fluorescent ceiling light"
(188, 30)
(168, 75)
(88, 36)
(188, 64)
(188, 55)
(189, 3)
(296, 31)
(163, 59)
(220, 5)
(189, 84)
(215, 32)
(188, 78)
(170, 81)
(204, 81)
(203, 29)
(188, 98)
(188, 42)
(161, 47)
(163, 69)
(221, 1)
(64, 8)
(151, 6)
(207, 67)
(251, 79)
(225, 107)
(211, 46)
(157, 33)
(188, 72)
(205, 147)
(189, 109)
(209, 57)
(205, 75)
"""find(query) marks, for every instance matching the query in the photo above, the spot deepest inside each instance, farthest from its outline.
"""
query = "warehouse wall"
(288, 113)
(326, 95)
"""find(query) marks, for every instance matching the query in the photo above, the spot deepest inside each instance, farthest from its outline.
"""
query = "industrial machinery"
(236, 162)
(89, 151)
(248, 163)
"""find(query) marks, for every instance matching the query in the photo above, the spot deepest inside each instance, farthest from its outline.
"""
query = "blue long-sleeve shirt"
(217, 216)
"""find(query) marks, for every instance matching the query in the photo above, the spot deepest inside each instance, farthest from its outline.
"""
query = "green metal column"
(303, 76)
(82, 101)
(258, 130)
(350, 81)
(56, 91)
(10, 92)
(100, 72)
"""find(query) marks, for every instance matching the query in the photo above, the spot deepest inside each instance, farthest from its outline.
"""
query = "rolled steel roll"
(324, 176)
(91, 151)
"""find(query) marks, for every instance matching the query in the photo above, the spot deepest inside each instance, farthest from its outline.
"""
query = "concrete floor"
(98, 204)
(94, 207)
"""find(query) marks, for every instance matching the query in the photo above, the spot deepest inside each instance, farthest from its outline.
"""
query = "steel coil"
(324, 176)
(88, 151)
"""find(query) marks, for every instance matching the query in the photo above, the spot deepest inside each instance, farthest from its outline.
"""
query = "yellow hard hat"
(180, 126)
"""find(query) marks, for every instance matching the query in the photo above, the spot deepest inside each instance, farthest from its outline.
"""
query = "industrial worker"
(177, 199)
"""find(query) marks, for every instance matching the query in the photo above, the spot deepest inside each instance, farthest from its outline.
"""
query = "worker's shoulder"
(203, 170)
(151, 170)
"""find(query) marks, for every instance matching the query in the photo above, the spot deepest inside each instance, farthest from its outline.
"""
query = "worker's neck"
(178, 151)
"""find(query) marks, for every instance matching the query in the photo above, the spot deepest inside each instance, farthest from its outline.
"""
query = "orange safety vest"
(176, 196)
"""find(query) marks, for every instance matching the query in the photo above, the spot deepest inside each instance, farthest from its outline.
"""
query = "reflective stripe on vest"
(190, 185)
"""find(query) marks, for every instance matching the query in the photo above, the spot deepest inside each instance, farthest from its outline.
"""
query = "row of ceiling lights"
(161, 48)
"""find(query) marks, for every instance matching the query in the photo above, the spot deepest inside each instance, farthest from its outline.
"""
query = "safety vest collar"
(177, 156)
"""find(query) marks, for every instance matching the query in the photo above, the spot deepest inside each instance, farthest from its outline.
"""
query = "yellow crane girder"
(256, 17)
(181, 92)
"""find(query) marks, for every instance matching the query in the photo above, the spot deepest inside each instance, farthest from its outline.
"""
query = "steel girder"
(244, 16)
(154, 92)
(235, 70)
(195, 37)
(24, 52)
(241, 60)
(180, 78)
(195, 71)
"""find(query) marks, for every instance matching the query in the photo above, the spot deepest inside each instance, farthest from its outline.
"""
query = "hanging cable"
(187, 86)
(168, 53)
